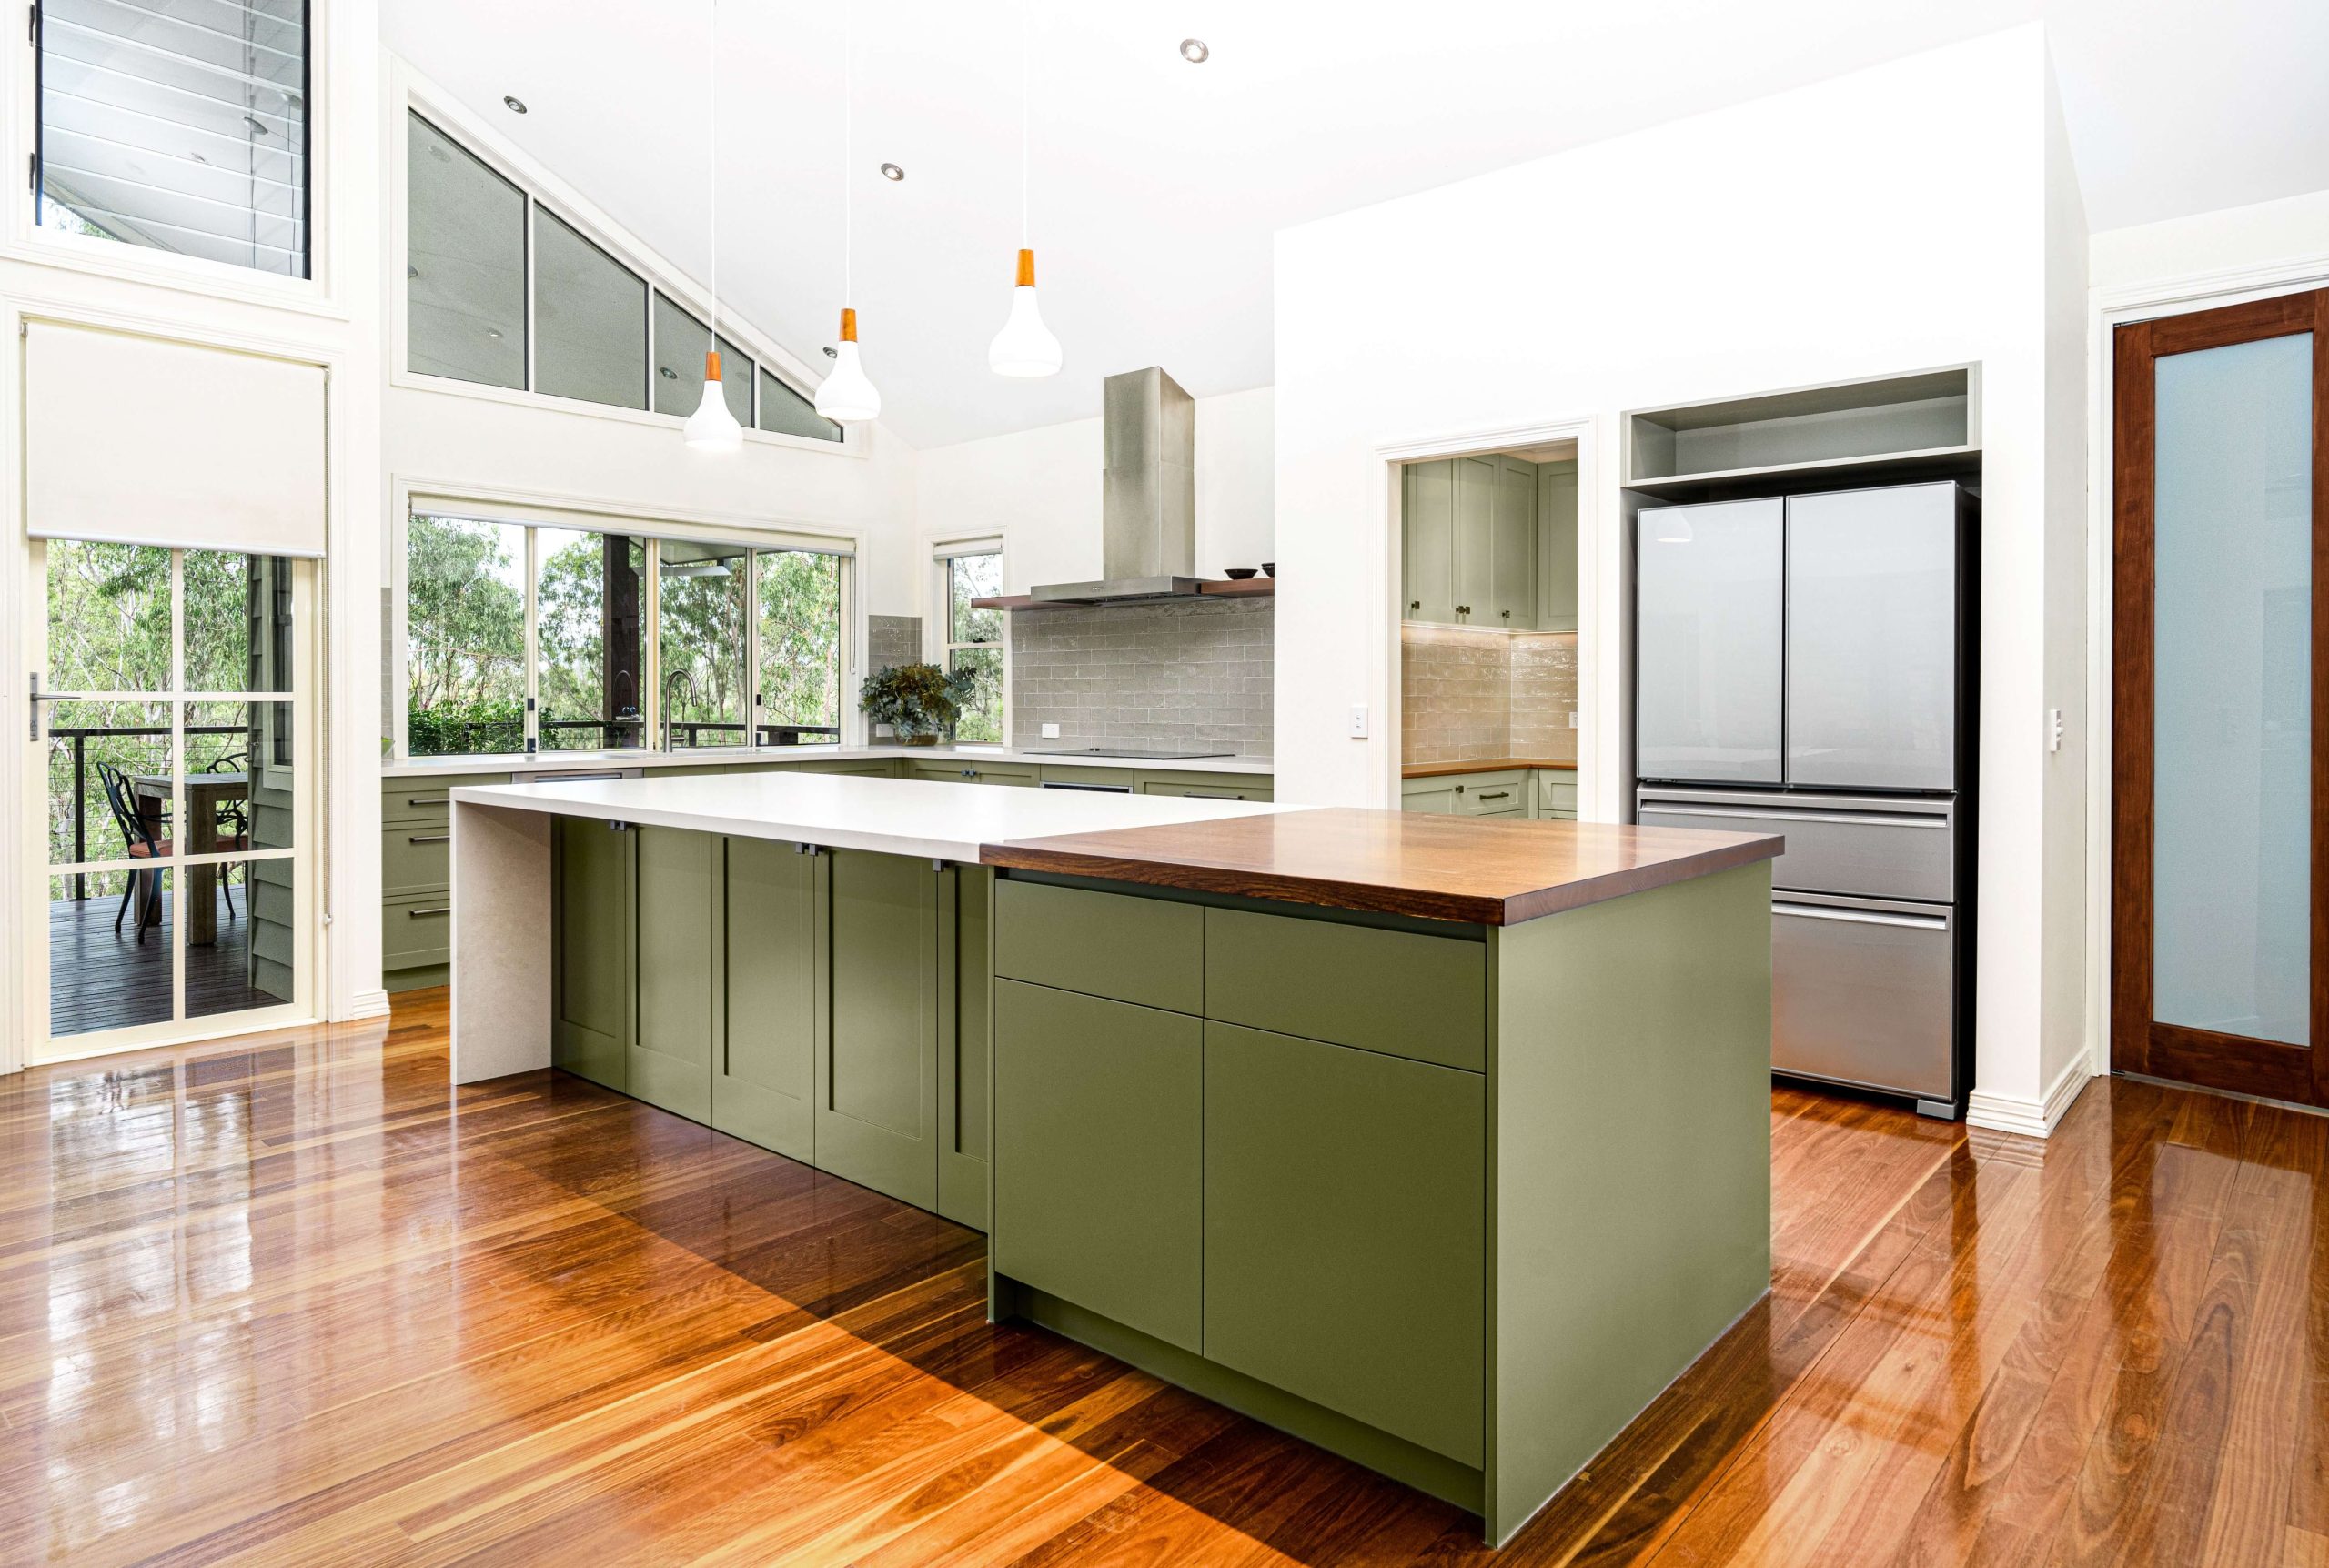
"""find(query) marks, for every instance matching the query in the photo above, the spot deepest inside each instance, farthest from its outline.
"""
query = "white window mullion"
(753, 714)
(532, 715)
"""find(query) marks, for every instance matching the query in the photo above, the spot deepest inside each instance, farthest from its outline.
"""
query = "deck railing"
(79, 735)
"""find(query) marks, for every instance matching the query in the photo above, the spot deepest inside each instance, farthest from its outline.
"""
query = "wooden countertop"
(1484, 765)
(1467, 869)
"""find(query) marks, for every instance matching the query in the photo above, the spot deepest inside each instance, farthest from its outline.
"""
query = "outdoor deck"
(100, 981)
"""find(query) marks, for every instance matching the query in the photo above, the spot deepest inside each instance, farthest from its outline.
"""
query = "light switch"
(1358, 721)
(2054, 729)
(1051, 732)
(1572, 719)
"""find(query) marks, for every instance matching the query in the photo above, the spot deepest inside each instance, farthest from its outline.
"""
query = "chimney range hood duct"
(1148, 495)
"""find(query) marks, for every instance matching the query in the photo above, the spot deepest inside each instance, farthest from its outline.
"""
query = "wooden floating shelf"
(1212, 587)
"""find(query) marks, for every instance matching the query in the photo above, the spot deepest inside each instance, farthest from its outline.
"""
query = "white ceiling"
(1157, 184)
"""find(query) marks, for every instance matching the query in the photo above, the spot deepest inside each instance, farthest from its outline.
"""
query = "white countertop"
(891, 816)
(714, 756)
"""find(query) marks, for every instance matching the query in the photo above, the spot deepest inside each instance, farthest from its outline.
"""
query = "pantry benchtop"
(1481, 871)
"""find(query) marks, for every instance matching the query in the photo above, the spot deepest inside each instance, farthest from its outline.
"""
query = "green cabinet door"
(1556, 546)
(877, 1064)
(1477, 480)
(1099, 1140)
(1513, 541)
(591, 951)
(763, 1082)
(670, 1059)
(1344, 1231)
(1428, 512)
(965, 979)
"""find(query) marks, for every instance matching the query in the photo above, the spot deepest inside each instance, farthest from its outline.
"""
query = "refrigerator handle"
(1860, 917)
(1786, 814)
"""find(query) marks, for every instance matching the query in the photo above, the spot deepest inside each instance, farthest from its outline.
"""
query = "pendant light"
(1025, 347)
(846, 396)
(712, 427)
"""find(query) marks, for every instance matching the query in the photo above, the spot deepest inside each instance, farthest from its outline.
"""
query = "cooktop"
(1128, 752)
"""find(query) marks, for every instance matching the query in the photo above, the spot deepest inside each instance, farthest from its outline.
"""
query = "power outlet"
(1572, 719)
(2055, 729)
(1051, 732)
(1358, 721)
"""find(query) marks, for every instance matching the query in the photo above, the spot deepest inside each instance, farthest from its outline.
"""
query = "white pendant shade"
(712, 427)
(1025, 347)
(846, 396)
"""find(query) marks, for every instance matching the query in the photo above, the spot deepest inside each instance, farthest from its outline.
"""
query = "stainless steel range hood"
(1148, 495)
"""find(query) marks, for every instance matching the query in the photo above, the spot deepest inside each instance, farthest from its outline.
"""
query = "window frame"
(540, 190)
(651, 533)
(316, 292)
(940, 641)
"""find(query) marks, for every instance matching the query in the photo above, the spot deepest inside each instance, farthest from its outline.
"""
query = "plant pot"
(917, 739)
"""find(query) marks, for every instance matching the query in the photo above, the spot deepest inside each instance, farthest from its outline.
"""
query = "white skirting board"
(373, 1004)
(2032, 1118)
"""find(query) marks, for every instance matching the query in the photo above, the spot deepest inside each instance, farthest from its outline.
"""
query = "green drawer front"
(1099, 1151)
(1492, 794)
(1556, 794)
(1400, 992)
(416, 857)
(855, 767)
(1145, 951)
(1345, 1232)
(427, 799)
(1024, 775)
(1206, 786)
(415, 932)
(1077, 773)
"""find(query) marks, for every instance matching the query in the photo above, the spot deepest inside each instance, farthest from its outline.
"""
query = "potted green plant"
(919, 701)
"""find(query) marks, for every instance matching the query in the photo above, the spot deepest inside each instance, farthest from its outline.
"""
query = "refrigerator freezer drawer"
(1868, 847)
(1862, 993)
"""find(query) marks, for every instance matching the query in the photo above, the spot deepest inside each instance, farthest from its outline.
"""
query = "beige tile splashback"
(1473, 695)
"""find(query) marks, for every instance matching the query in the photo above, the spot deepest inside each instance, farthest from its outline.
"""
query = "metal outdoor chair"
(234, 824)
(140, 842)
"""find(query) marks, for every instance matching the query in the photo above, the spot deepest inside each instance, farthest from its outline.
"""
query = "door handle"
(440, 909)
(37, 697)
(1862, 917)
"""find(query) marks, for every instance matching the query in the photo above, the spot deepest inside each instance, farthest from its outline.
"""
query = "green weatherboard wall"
(1453, 1201)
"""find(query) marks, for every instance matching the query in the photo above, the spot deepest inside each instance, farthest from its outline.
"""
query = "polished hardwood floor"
(288, 1300)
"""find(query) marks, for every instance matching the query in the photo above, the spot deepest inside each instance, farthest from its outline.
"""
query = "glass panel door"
(167, 762)
(2219, 929)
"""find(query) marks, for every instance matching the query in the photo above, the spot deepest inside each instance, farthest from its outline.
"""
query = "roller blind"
(141, 440)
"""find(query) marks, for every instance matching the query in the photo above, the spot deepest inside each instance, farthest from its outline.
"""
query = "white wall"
(1040, 489)
(2274, 235)
(1890, 220)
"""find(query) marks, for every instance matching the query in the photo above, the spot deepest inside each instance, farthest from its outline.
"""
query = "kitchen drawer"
(1556, 793)
(1863, 992)
(1867, 847)
(969, 770)
(415, 932)
(854, 767)
(1491, 794)
(1135, 950)
(1099, 1129)
(1403, 993)
(416, 857)
(426, 800)
(1206, 786)
(1074, 773)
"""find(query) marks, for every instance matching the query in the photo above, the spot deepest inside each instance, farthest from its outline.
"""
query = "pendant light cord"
(1025, 77)
(711, 206)
(848, 145)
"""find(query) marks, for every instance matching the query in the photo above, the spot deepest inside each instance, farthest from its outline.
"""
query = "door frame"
(2109, 309)
(1603, 718)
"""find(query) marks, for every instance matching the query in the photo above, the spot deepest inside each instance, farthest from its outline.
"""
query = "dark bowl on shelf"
(1239, 574)
(1269, 568)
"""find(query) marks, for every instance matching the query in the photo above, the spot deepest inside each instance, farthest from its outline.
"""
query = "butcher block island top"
(1490, 873)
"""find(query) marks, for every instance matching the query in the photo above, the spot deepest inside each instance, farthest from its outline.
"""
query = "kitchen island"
(1440, 1142)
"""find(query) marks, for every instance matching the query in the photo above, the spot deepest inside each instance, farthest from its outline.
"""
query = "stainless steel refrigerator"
(1803, 666)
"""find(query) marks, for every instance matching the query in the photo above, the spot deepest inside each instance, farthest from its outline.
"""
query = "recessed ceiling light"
(831, 352)
(667, 373)
(892, 173)
(514, 105)
(198, 158)
(412, 271)
(1194, 50)
(493, 332)
(258, 127)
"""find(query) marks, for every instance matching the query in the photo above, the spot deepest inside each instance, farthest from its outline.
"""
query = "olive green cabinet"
(1205, 785)
(1512, 550)
(592, 967)
(764, 1080)
(877, 1070)
(1344, 1231)
(1099, 1200)
(966, 1021)
(668, 1062)
(961, 771)
(1428, 543)
(1475, 541)
(415, 878)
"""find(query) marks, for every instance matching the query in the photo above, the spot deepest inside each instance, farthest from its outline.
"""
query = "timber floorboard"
(290, 1298)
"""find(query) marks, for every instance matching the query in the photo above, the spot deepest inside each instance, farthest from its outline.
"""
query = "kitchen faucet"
(670, 724)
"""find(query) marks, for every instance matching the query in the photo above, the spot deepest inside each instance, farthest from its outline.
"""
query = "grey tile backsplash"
(1467, 695)
(891, 641)
(1183, 673)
